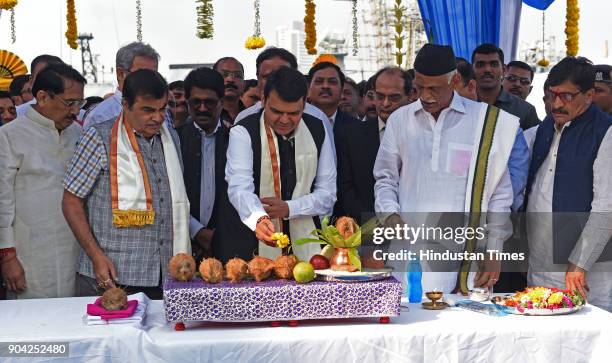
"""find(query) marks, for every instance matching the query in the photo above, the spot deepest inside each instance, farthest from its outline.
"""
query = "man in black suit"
(358, 145)
(326, 82)
(204, 141)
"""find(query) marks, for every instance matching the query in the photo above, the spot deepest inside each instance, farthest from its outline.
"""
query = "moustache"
(204, 114)
(487, 74)
(325, 92)
(560, 111)
(231, 85)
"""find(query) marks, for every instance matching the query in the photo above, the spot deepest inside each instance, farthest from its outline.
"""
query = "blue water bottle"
(414, 277)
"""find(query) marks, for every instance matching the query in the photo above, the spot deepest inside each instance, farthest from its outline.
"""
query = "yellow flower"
(310, 28)
(571, 27)
(7, 4)
(543, 62)
(555, 298)
(282, 240)
(254, 42)
(71, 32)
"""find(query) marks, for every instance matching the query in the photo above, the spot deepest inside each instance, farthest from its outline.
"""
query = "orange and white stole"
(131, 199)
(306, 162)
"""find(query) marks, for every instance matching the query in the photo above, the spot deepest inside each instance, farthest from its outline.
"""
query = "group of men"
(213, 165)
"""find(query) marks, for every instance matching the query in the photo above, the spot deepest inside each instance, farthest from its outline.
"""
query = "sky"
(170, 25)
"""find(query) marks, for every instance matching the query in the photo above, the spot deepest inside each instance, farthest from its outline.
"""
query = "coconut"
(114, 299)
(182, 267)
(283, 266)
(236, 269)
(211, 270)
(346, 226)
(261, 268)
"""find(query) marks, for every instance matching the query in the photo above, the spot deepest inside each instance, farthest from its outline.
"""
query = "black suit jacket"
(342, 122)
(356, 149)
(191, 149)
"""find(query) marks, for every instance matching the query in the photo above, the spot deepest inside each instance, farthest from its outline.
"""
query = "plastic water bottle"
(414, 277)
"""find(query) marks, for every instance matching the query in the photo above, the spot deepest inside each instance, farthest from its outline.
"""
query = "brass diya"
(434, 296)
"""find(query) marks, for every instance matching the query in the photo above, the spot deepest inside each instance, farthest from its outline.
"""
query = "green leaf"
(354, 258)
(302, 241)
(354, 240)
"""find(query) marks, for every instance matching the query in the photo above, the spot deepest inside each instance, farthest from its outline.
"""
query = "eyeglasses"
(210, 103)
(71, 103)
(512, 78)
(566, 97)
(236, 74)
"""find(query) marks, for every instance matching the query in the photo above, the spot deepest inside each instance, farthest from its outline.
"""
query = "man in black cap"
(445, 153)
(603, 87)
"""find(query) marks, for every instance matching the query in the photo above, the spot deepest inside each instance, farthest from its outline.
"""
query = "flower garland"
(310, 28)
(138, 20)
(543, 62)
(10, 5)
(571, 27)
(355, 29)
(398, 11)
(205, 19)
(71, 31)
(255, 41)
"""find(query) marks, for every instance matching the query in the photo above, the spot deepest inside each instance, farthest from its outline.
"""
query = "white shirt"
(423, 164)
(309, 109)
(106, 110)
(21, 109)
(241, 190)
(33, 160)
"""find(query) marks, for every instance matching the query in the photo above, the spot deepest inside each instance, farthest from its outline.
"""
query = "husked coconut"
(211, 270)
(283, 266)
(261, 268)
(182, 267)
(236, 269)
(114, 299)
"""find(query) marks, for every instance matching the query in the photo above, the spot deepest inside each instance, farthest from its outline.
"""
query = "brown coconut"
(283, 266)
(260, 268)
(346, 226)
(114, 299)
(182, 267)
(211, 270)
(236, 269)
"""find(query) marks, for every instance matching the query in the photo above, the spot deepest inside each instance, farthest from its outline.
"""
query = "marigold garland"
(7, 4)
(543, 62)
(325, 58)
(255, 41)
(310, 28)
(205, 29)
(571, 27)
(10, 5)
(138, 20)
(398, 11)
(355, 29)
(71, 31)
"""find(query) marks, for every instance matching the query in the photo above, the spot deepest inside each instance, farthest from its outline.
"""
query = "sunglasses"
(512, 78)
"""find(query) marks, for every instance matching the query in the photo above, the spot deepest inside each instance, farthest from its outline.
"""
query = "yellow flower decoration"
(555, 298)
(7, 4)
(543, 62)
(310, 28)
(71, 32)
(571, 27)
(205, 13)
(398, 12)
(255, 41)
(325, 58)
(282, 240)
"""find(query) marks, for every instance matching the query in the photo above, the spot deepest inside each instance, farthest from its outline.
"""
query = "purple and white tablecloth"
(273, 300)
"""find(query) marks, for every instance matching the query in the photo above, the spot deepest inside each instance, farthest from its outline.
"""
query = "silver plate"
(360, 276)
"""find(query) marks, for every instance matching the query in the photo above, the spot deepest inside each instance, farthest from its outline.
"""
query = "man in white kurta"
(427, 157)
(34, 153)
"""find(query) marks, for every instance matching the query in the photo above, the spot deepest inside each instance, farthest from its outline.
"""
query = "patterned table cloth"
(274, 300)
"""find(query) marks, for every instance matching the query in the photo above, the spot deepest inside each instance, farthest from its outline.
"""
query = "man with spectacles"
(518, 78)
(129, 58)
(232, 72)
(204, 141)
(570, 176)
(37, 249)
(603, 87)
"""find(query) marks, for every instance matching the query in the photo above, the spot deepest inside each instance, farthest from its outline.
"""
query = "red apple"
(319, 262)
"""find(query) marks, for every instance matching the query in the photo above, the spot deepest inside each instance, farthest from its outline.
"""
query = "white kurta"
(423, 166)
(542, 270)
(33, 160)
